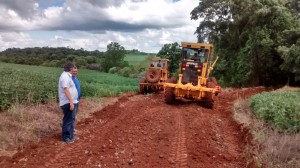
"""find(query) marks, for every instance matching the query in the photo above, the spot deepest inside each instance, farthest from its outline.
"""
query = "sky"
(145, 25)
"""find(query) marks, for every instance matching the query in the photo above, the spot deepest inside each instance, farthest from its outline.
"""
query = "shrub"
(124, 71)
(94, 67)
(90, 59)
(141, 75)
(113, 70)
(134, 75)
(80, 62)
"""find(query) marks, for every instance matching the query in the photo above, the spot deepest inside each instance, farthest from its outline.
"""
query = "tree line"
(57, 57)
(47, 56)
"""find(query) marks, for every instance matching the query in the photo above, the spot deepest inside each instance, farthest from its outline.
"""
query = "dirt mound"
(143, 131)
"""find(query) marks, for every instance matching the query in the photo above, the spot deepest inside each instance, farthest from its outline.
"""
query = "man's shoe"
(68, 141)
(76, 131)
(76, 138)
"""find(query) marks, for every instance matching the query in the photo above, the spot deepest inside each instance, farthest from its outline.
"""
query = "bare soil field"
(142, 131)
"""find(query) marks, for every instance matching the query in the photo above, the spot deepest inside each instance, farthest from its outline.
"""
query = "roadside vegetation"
(273, 120)
(281, 109)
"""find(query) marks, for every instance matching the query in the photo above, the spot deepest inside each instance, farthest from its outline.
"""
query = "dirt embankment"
(143, 131)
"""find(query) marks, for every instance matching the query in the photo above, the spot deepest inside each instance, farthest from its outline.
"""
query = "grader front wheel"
(209, 101)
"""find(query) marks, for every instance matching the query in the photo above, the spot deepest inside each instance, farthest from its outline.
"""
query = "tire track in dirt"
(179, 150)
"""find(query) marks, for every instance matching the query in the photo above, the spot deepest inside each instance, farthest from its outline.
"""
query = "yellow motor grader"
(194, 82)
(155, 76)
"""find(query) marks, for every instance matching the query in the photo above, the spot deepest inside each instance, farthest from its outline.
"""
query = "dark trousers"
(68, 122)
(76, 106)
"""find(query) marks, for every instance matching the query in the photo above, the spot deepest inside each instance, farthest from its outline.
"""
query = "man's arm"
(79, 96)
(67, 92)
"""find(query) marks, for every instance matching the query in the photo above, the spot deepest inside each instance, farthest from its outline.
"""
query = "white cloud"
(12, 13)
(14, 39)
(53, 12)
(145, 25)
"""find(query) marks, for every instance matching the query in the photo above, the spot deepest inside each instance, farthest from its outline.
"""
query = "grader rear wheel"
(169, 95)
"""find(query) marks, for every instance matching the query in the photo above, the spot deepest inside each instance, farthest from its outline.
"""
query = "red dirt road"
(142, 131)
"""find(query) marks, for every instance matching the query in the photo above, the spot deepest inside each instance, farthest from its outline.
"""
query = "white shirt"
(65, 81)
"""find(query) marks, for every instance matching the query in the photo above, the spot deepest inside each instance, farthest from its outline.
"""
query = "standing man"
(77, 84)
(68, 99)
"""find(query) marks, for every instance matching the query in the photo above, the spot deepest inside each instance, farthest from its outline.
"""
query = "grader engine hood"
(190, 72)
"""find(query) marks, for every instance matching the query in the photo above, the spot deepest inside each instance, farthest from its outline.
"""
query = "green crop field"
(135, 59)
(37, 84)
(279, 108)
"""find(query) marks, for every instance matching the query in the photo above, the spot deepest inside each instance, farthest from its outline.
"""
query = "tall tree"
(290, 53)
(171, 51)
(114, 56)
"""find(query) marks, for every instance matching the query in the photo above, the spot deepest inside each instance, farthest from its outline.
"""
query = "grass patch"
(27, 124)
(271, 145)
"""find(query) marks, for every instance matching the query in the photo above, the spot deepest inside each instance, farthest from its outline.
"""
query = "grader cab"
(194, 82)
(155, 76)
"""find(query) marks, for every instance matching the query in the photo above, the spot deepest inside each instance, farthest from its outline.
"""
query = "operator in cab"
(195, 57)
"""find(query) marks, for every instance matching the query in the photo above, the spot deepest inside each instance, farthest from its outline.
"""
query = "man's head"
(75, 71)
(68, 66)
